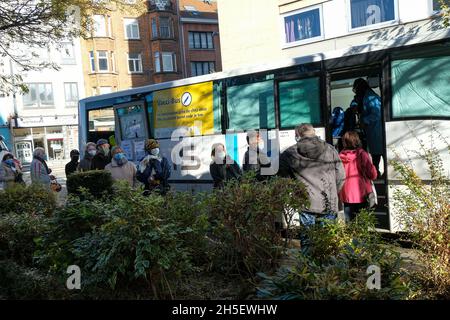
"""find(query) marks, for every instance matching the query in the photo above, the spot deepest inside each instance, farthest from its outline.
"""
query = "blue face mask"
(9, 162)
(119, 156)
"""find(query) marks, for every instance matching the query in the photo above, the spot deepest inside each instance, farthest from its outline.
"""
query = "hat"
(74, 152)
(151, 144)
(101, 142)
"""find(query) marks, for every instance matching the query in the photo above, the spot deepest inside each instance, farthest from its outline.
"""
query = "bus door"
(341, 96)
(131, 129)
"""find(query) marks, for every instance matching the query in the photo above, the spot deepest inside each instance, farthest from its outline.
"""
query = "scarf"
(144, 162)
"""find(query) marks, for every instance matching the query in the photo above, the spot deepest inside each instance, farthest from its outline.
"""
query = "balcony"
(161, 5)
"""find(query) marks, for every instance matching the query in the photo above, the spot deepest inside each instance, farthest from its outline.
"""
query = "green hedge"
(97, 182)
(33, 199)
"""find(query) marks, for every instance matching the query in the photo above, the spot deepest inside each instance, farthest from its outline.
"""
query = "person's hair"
(351, 140)
(305, 130)
(74, 152)
(252, 135)
(214, 146)
(38, 152)
(90, 144)
(8, 156)
(361, 86)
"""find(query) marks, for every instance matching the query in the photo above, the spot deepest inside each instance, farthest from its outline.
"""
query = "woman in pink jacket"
(359, 172)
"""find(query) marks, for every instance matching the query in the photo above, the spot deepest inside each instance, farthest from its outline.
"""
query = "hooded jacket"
(318, 166)
(359, 171)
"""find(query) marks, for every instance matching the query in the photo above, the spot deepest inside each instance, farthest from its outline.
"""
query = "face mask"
(45, 158)
(92, 152)
(297, 139)
(75, 158)
(220, 155)
(9, 162)
(261, 145)
(105, 150)
(119, 156)
(155, 151)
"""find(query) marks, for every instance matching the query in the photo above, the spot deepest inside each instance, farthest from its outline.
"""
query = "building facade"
(149, 43)
(253, 34)
(47, 116)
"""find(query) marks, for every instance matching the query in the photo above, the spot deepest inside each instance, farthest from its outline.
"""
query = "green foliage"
(244, 215)
(33, 199)
(335, 267)
(424, 211)
(98, 183)
(18, 233)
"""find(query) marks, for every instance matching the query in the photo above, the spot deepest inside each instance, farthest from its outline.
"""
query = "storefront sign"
(188, 106)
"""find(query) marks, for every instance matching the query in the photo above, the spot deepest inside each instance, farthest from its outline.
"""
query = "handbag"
(371, 196)
(55, 186)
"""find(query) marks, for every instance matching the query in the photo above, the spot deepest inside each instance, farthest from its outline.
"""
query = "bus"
(412, 80)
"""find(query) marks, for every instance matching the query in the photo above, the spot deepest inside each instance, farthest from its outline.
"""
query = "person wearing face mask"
(72, 166)
(121, 168)
(222, 167)
(9, 172)
(90, 151)
(255, 158)
(154, 170)
(102, 158)
(40, 172)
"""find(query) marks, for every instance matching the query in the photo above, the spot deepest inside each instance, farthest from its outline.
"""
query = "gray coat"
(318, 166)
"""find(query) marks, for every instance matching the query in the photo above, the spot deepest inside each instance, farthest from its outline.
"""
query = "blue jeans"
(308, 219)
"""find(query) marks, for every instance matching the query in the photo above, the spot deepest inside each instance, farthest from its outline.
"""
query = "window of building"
(39, 95)
(134, 63)
(131, 28)
(299, 102)
(102, 60)
(200, 68)
(157, 62)
(71, 94)
(303, 25)
(154, 28)
(104, 90)
(251, 106)
(92, 60)
(416, 92)
(165, 27)
(365, 13)
(169, 62)
(67, 53)
(99, 23)
(201, 40)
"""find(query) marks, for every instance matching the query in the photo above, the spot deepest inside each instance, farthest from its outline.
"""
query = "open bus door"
(340, 85)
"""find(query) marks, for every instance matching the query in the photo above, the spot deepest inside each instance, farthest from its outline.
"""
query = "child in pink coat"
(359, 172)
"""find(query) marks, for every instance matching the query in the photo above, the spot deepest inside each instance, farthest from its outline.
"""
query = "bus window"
(299, 102)
(251, 106)
(101, 124)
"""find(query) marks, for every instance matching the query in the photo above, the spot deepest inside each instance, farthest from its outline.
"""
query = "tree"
(445, 8)
(29, 26)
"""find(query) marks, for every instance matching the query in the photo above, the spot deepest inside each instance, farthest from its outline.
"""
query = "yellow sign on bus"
(186, 106)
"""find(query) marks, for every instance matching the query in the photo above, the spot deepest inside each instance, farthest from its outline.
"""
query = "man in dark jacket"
(102, 158)
(317, 164)
(72, 166)
(255, 158)
(222, 167)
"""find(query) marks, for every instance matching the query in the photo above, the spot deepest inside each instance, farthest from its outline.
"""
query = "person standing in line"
(10, 173)
(255, 158)
(72, 166)
(90, 151)
(102, 157)
(371, 121)
(359, 171)
(222, 167)
(40, 172)
(121, 168)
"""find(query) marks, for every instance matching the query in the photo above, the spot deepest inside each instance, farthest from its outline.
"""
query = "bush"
(97, 182)
(335, 267)
(244, 215)
(33, 199)
(18, 236)
(424, 211)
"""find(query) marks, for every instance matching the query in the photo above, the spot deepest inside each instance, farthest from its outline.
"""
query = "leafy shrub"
(32, 199)
(97, 182)
(18, 233)
(338, 270)
(244, 215)
(424, 211)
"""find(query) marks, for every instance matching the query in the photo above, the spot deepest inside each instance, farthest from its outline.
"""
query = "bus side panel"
(403, 139)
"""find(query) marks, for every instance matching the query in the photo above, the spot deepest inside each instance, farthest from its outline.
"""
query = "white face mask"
(220, 155)
(297, 139)
(92, 152)
(155, 151)
(261, 144)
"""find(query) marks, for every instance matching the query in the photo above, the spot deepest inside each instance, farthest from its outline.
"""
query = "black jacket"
(261, 162)
(71, 167)
(224, 172)
(100, 161)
